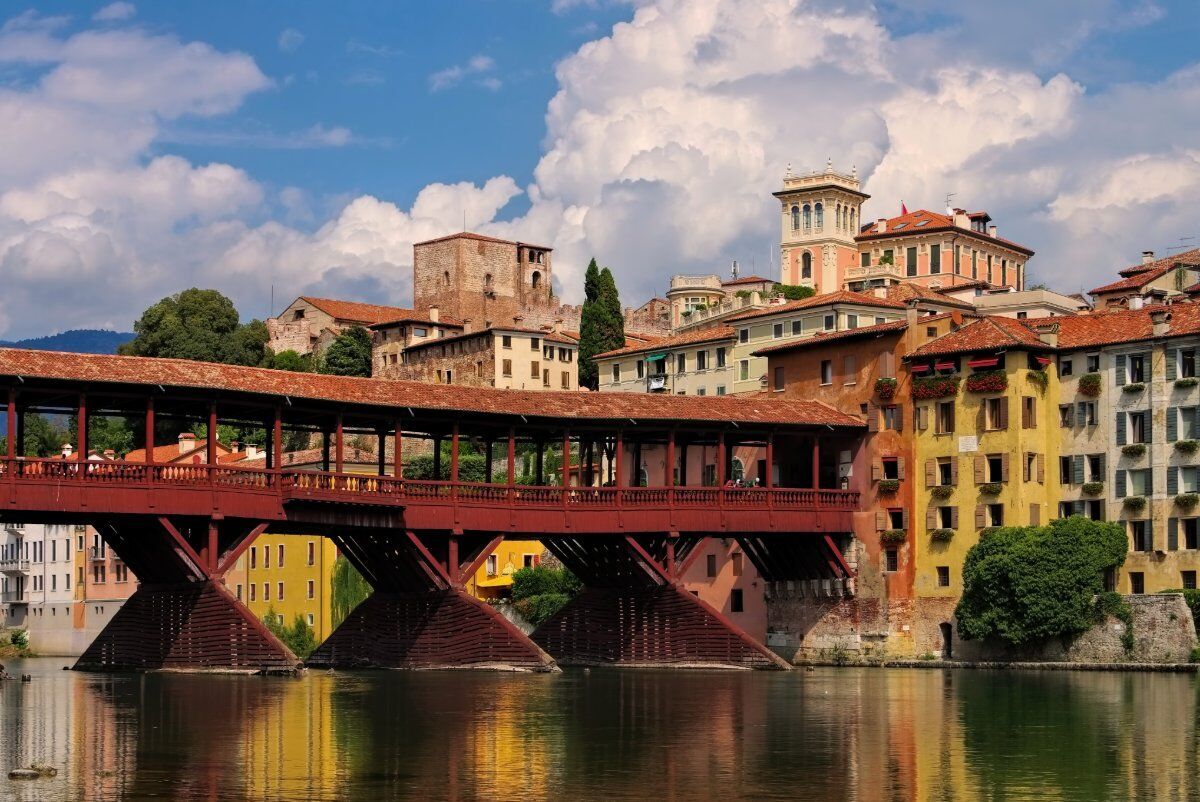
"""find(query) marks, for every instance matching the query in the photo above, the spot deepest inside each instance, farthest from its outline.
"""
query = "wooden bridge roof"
(754, 410)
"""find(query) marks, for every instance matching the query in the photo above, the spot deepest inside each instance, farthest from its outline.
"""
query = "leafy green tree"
(347, 590)
(601, 324)
(794, 292)
(41, 437)
(104, 433)
(349, 354)
(1023, 585)
(291, 360)
(540, 592)
(200, 325)
(299, 637)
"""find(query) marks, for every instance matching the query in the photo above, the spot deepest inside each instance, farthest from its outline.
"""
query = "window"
(1137, 583)
(506, 341)
(641, 369)
(312, 589)
(864, 259)
(312, 553)
(778, 379)
(266, 556)
(777, 330)
(1135, 368)
(849, 369)
(566, 380)
(993, 413)
(506, 370)
(826, 371)
(735, 596)
(279, 587)
(711, 565)
(1138, 482)
(253, 557)
(744, 370)
(945, 471)
(280, 555)
(891, 560)
(535, 344)
(1187, 579)
(830, 322)
(795, 218)
(419, 331)
(738, 560)
(995, 468)
(891, 418)
(797, 328)
(1028, 412)
(935, 260)
(944, 420)
(720, 357)
(995, 515)
(743, 335)
(945, 517)
(1065, 367)
(852, 321)
(1095, 467)
(681, 363)
(1188, 428)
(896, 520)
(1066, 474)
(1086, 413)
(546, 377)
(1187, 363)
(253, 591)
(266, 591)
(1093, 363)
(1190, 533)
(535, 370)
(529, 561)
(1066, 415)
(1139, 428)
(943, 576)
(910, 261)
(891, 467)
(720, 389)
(616, 371)
(702, 360)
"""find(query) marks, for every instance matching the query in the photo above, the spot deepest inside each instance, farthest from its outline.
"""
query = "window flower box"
(941, 535)
(988, 381)
(1134, 503)
(1089, 385)
(893, 537)
(885, 389)
(1039, 378)
(1185, 382)
(991, 488)
(1187, 446)
(943, 491)
(1136, 387)
(1134, 450)
(1187, 500)
(889, 486)
(925, 387)
(1093, 488)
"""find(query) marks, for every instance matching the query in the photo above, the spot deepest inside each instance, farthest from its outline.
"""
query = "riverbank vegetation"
(1023, 585)
(539, 593)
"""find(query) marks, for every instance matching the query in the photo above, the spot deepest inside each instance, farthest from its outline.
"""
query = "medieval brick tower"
(820, 214)
(484, 281)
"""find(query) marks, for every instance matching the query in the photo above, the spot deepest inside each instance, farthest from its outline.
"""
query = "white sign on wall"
(968, 443)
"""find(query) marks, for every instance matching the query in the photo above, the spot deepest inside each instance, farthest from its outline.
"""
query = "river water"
(865, 734)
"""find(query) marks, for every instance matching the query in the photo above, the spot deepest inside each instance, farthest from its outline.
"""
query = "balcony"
(98, 553)
(15, 597)
(874, 271)
(15, 528)
(15, 565)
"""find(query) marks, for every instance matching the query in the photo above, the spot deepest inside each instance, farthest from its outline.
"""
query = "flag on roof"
(903, 208)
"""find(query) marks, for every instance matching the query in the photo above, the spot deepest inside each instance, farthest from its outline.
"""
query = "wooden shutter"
(1041, 469)
(954, 517)
(922, 415)
(900, 467)
(1035, 514)
(1026, 421)
(872, 418)
(1120, 369)
(1003, 413)
(1120, 428)
(931, 518)
(1077, 463)
(904, 518)
(899, 410)
(980, 468)
(887, 365)
(881, 520)
(1147, 426)
(1149, 482)
(1172, 424)
(1170, 366)
(930, 472)
(1172, 534)
(1120, 483)
(1103, 460)
(1172, 480)
(954, 471)
(1081, 414)
(980, 516)
(1068, 414)
(981, 417)
(1004, 467)
(876, 471)
(952, 416)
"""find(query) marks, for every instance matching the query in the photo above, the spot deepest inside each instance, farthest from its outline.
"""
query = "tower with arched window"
(820, 217)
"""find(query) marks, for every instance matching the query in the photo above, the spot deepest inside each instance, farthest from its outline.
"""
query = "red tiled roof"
(933, 222)
(1192, 290)
(548, 336)
(908, 290)
(471, 235)
(695, 337)
(413, 316)
(1106, 327)
(631, 340)
(823, 338)
(986, 334)
(276, 385)
(1141, 275)
(356, 312)
(747, 280)
(170, 453)
(827, 299)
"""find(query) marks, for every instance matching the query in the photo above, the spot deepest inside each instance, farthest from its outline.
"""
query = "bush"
(1134, 450)
(540, 592)
(19, 638)
(988, 381)
(889, 486)
(794, 292)
(1114, 604)
(1025, 584)
(1089, 384)
(1040, 378)
(925, 387)
(1135, 387)
(1187, 446)
(1192, 597)
(1195, 658)
(1093, 488)
(540, 609)
(299, 637)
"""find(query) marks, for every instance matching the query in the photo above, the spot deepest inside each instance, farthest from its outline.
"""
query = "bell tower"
(819, 216)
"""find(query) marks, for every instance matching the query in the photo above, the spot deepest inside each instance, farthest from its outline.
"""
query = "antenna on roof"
(1181, 247)
(950, 203)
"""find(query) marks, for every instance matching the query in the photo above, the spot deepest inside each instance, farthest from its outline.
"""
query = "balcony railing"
(17, 565)
(15, 596)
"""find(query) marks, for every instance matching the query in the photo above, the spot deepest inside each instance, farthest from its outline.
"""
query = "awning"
(918, 368)
(989, 362)
(500, 581)
(1043, 360)
(655, 357)
(944, 365)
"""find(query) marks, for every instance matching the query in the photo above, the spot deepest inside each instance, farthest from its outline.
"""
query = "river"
(863, 734)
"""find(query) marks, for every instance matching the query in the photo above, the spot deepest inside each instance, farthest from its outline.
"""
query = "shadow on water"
(605, 735)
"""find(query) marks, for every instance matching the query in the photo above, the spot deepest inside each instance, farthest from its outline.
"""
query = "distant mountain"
(78, 341)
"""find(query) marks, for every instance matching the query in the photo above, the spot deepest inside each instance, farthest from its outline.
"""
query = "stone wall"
(482, 280)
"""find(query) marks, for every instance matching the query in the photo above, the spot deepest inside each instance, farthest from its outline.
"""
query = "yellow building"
(494, 577)
(987, 448)
(290, 575)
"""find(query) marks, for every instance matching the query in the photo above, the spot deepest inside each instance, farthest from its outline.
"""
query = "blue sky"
(306, 146)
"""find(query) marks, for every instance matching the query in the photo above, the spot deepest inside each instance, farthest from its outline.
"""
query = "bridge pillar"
(634, 612)
(419, 615)
(182, 617)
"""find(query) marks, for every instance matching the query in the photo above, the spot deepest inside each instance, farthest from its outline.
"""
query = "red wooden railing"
(365, 488)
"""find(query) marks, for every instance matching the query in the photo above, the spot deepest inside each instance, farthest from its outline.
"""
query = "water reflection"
(605, 735)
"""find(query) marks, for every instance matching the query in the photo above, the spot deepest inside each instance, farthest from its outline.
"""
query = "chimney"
(960, 219)
(911, 314)
(1147, 257)
(992, 230)
(67, 450)
(879, 292)
(1047, 333)
(1135, 302)
(109, 454)
(252, 451)
(234, 447)
(433, 314)
(881, 225)
(1160, 322)
(187, 442)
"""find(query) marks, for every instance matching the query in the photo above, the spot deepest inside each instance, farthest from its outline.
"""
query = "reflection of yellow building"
(290, 575)
(286, 749)
(494, 577)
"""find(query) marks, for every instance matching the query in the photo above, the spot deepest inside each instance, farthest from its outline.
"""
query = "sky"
(284, 149)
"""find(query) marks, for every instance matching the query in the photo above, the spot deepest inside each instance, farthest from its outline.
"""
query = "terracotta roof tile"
(747, 280)
(1124, 325)
(827, 299)
(687, 338)
(548, 336)
(911, 224)
(1141, 275)
(273, 386)
(356, 312)
(471, 235)
(413, 316)
(986, 334)
(823, 338)
(908, 290)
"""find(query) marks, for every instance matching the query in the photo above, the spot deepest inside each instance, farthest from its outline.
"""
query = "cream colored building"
(508, 358)
(694, 363)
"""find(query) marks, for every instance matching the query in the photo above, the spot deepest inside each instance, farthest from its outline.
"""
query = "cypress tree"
(611, 321)
(588, 328)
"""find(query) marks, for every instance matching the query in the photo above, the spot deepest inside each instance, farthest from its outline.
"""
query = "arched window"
(853, 221)
(536, 279)
(446, 278)
(806, 265)
(807, 217)
(837, 217)
(795, 218)
(819, 214)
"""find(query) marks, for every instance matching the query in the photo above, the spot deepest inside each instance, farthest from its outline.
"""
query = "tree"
(793, 292)
(540, 592)
(349, 354)
(299, 637)
(41, 438)
(200, 325)
(291, 360)
(1022, 585)
(602, 322)
(105, 433)
(347, 590)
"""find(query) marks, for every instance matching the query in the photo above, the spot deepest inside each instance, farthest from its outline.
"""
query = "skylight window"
(922, 223)
(898, 226)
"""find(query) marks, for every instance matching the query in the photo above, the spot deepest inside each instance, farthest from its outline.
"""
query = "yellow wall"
(510, 557)
(254, 568)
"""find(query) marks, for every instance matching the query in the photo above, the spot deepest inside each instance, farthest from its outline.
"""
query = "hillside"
(79, 341)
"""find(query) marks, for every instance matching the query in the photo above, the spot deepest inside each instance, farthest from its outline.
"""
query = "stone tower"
(484, 281)
(819, 217)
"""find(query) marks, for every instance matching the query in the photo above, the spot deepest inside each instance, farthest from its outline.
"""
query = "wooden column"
(11, 429)
(683, 464)
(637, 465)
(452, 563)
(211, 442)
(721, 459)
(325, 450)
(381, 456)
(487, 461)
(454, 453)
(83, 435)
(149, 435)
(339, 449)
(541, 463)
(277, 440)
(398, 452)
(437, 458)
(213, 553)
(619, 459)
(566, 458)
(512, 456)
(669, 468)
(768, 480)
(816, 463)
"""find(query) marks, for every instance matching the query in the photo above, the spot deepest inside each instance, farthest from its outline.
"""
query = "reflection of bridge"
(181, 527)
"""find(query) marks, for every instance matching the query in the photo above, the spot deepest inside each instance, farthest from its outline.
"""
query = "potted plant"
(1187, 446)
(1187, 500)
(925, 387)
(1134, 450)
(1135, 387)
(893, 536)
(941, 535)
(987, 381)
(991, 488)
(1134, 503)
(1089, 384)
(889, 486)
(1185, 382)
(943, 491)
(885, 388)
(1093, 488)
